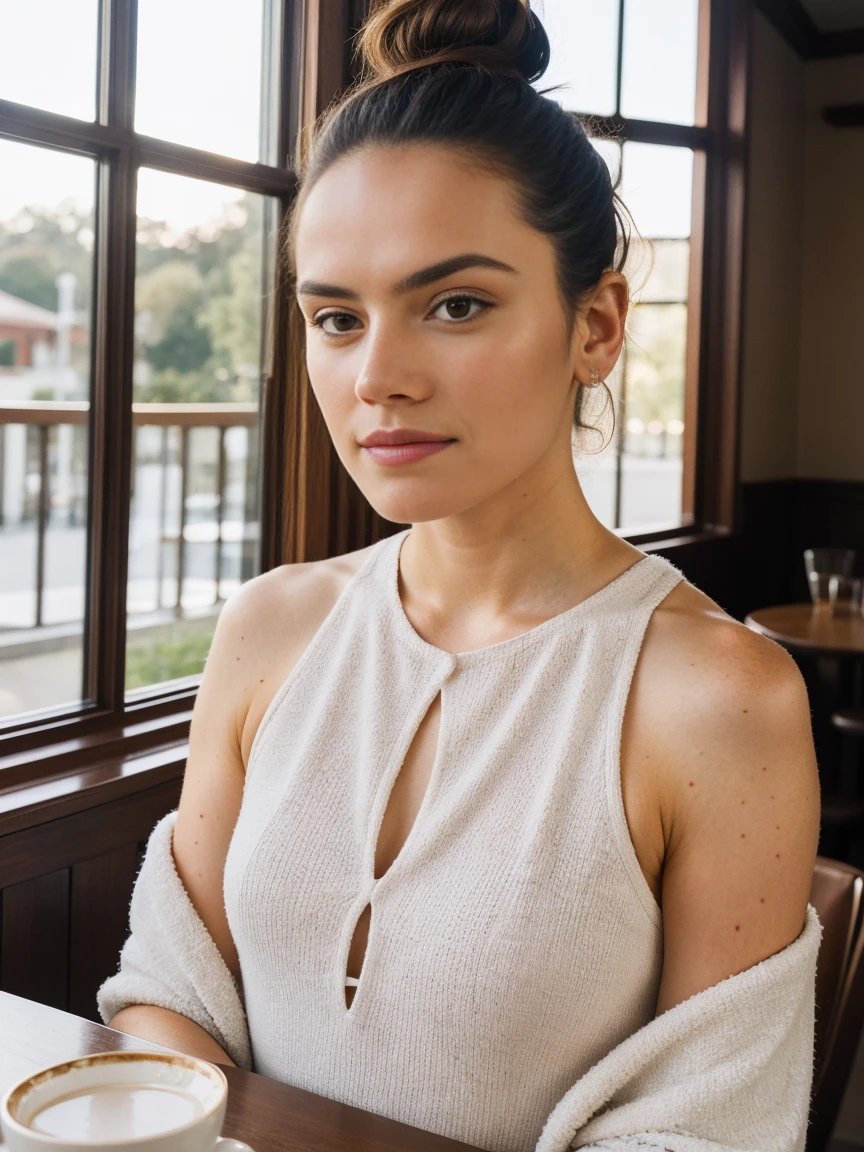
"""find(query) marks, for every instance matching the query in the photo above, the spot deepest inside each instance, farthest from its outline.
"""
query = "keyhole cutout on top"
(400, 815)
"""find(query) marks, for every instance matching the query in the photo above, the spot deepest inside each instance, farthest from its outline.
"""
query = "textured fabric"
(514, 941)
(515, 949)
(170, 960)
(728, 1069)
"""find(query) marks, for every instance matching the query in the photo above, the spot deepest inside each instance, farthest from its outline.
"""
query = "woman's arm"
(209, 805)
(262, 631)
(738, 794)
(171, 1030)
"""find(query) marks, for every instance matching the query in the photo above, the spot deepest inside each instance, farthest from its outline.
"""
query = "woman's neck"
(497, 570)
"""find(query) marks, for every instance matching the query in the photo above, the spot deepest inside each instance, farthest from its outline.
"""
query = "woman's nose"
(390, 371)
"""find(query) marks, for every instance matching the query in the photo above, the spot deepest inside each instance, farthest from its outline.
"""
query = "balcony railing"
(183, 419)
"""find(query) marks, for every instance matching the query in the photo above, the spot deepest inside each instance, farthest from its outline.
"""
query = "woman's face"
(433, 315)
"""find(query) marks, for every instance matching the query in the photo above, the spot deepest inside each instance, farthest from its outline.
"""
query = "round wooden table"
(799, 627)
(835, 678)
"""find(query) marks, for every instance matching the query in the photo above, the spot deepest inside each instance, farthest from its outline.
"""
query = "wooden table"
(267, 1115)
(834, 680)
(798, 627)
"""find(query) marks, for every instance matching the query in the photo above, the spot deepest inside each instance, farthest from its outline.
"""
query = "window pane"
(198, 324)
(658, 74)
(584, 39)
(199, 73)
(48, 55)
(653, 425)
(657, 187)
(46, 270)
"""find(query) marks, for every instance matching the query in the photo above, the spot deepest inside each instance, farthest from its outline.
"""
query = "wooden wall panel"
(34, 951)
(99, 923)
(64, 894)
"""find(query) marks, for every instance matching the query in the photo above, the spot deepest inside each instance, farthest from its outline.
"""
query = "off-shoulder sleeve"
(170, 959)
(730, 1068)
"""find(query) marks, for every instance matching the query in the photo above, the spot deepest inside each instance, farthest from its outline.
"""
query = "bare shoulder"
(714, 669)
(266, 626)
(723, 787)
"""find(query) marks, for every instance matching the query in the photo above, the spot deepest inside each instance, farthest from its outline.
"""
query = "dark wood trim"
(832, 44)
(82, 751)
(795, 24)
(844, 115)
(645, 131)
(55, 798)
(186, 161)
(110, 440)
(716, 461)
(63, 843)
(692, 367)
(35, 126)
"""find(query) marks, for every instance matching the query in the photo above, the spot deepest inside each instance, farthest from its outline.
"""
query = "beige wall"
(831, 405)
(772, 275)
(803, 332)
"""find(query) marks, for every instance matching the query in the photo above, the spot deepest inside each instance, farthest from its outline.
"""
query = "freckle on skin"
(745, 709)
(761, 899)
(778, 855)
(737, 927)
(743, 835)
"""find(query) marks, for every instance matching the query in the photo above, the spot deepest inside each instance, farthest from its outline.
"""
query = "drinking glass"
(821, 564)
(846, 596)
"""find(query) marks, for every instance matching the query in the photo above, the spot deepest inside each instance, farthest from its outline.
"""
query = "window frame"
(119, 151)
(310, 508)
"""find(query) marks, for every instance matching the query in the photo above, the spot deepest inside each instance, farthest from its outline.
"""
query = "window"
(135, 345)
(629, 70)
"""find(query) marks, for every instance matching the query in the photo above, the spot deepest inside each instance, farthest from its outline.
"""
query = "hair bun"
(501, 36)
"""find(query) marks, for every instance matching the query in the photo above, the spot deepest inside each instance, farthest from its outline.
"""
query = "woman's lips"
(395, 454)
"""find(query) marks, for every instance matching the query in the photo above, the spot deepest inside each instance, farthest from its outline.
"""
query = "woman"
(451, 780)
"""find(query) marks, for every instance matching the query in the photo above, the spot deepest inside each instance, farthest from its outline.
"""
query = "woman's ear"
(600, 329)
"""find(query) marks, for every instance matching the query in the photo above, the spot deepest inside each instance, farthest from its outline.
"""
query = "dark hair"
(459, 73)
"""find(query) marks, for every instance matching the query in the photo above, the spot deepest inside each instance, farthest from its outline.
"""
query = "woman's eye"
(460, 308)
(336, 323)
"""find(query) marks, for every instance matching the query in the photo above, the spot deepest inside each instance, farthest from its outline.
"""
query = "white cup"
(191, 1092)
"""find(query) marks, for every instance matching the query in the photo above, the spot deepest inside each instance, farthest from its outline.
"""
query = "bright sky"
(199, 77)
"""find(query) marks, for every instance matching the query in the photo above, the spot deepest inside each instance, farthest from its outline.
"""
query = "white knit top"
(514, 941)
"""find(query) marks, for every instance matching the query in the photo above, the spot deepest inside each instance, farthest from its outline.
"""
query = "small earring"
(595, 378)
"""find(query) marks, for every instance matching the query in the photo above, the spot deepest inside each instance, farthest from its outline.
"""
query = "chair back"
(837, 894)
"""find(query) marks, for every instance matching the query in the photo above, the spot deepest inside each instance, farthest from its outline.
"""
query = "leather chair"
(837, 894)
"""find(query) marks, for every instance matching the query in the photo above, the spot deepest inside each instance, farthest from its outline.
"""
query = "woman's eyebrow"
(420, 279)
(444, 268)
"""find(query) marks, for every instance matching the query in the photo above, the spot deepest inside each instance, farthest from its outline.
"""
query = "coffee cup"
(133, 1101)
